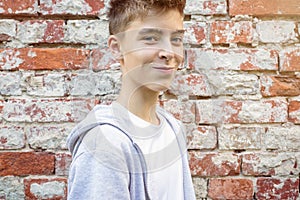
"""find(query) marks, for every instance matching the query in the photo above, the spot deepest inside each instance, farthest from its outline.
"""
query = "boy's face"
(152, 50)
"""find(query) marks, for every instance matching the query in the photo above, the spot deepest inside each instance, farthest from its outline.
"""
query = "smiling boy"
(133, 149)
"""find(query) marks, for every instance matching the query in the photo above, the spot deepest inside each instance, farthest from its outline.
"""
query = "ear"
(114, 46)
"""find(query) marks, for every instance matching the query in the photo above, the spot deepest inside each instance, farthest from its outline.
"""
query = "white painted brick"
(95, 84)
(233, 137)
(48, 190)
(45, 85)
(10, 83)
(86, 32)
(29, 32)
(201, 137)
(11, 188)
(200, 186)
(224, 82)
(282, 138)
(12, 137)
(8, 27)
(276, 31)
(200, 7)
(48, 136)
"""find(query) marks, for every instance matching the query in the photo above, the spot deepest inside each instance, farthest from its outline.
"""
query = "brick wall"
(239, 95)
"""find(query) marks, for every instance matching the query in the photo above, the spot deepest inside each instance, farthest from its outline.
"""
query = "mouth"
(165, 69)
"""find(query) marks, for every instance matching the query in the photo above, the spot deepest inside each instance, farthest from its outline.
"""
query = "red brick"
(290, 60)
(26, 163)
(44, 59)
(62, 164)
(294, 111)
(233, 189)
(102, 59)
(47, 110)
(232, 59)
(71, 7)
(214, 164)
(53, 59)
(191, 85)
(264, 7)
(225, 32)
(269, 164)
(35, 189)
(18, 7)
(276, 188)
(280, 86)
(41, 31)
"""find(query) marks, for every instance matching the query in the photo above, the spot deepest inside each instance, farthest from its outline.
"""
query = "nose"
(166, 51)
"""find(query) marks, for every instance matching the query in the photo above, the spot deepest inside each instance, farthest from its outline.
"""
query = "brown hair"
(122, 12)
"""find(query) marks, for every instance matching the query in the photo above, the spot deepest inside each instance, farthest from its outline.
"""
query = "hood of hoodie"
(115, 115)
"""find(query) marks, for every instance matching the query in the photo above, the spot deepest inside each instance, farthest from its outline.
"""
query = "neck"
(141, 102)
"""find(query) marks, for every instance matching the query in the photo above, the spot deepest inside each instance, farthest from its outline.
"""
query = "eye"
(150, 39)
(177, 40)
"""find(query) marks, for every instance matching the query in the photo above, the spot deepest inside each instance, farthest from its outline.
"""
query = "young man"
(133, 149)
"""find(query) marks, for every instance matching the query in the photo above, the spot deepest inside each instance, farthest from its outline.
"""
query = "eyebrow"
(158, 31)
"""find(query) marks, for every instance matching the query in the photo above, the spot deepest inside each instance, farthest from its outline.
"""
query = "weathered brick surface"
(201, 137)
(226, 111)
(10, 84)
(225, 32)
(12, 137)
(276, 31)
(280, 86)
(48, 136)
(26, 163)
(237, 93)
(264, 7)
(282, 138)
(206, 7)
(231, 137)
(19, 7)
(184, 111)
(71, 7)
(214, 164)
(232, 59)
(290, 59)
(294, 111)
(7, 29)
(41, 31)
(40, 58)
(277, 188)
(46, 110)
(46, 84)
(62, 164)
(11, 187)
(55, 188)
(269, 164)
(102, 59)
(230, 189)
(196, 33)
(86, 31)
(82, 84)
(191, 85)
(200, 186)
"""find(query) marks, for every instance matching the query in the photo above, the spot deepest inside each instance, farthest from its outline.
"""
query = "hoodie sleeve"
(98, 171)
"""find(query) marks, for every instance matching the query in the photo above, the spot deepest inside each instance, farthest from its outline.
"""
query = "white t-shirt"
(161, 151)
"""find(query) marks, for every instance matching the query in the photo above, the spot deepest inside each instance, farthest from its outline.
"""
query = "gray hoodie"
(111, 166)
